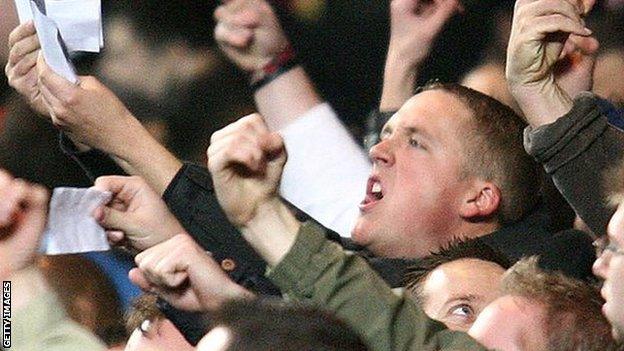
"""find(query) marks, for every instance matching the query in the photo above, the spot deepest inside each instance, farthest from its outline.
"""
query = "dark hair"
(274, 325)
(457, 249)
(573, 317)
(495, 151)
(165, 21)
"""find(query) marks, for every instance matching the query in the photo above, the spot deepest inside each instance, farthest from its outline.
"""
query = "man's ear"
(481, 202)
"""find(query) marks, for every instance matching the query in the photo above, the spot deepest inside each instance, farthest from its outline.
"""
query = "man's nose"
(382, 153)
(601, 265)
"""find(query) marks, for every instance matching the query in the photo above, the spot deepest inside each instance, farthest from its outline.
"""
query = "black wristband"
(271, 77)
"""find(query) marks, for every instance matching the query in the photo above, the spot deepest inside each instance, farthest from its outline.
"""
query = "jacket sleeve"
(580, 151)
(320, 272)
(190, 197)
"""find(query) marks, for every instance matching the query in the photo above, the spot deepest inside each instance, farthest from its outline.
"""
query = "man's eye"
(462, 311)
(413, 142)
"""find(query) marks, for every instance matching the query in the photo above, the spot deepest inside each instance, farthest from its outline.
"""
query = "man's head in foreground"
(450, 162)
(272, 325)
(540, 311)
(454, 285)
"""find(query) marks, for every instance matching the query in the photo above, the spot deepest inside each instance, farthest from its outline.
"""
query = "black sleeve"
(580, 151)
(94, 163)
(191, 199)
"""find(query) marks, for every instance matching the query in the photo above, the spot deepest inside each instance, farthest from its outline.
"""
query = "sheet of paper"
(71, 227)
(79, 21)
(24, 13)
(52, 45)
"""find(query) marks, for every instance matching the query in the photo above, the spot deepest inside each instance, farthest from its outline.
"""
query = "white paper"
(71, 227)
(79, 21)
(24, 13)
(51, 46)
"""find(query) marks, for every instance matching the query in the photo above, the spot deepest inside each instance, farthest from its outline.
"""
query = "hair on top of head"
(494, 151)
(457, 249)
(276, 325)
(573, 316)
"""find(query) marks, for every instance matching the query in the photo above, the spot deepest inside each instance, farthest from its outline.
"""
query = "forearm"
(286, 98)
(541, 103)
(580, 151)
(272, 231)
(399, 82)
(138, 153)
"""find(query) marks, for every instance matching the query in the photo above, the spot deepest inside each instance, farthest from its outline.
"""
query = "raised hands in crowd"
(549, 66)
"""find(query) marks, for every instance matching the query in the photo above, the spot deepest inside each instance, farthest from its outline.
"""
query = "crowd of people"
(488, 213)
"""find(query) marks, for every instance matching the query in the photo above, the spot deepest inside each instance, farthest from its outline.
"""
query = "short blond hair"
(573, 318)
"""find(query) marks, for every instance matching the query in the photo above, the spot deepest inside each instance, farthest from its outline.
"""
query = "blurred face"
(415, 190)
(609, 76)
(456, 292)
(610, 267)
(511, 323)
(159, 335)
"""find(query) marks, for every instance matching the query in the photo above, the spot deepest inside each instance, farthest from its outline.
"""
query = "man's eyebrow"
(419, 131)
(459, 298)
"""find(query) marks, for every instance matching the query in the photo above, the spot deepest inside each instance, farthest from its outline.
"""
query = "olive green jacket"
(322, 273)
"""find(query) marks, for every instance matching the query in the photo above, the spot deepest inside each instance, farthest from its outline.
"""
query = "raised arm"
(93, 116)
(414, 25)
(550, 62)
(327, 171)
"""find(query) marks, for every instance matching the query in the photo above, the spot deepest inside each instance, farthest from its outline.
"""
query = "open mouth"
(374, 193)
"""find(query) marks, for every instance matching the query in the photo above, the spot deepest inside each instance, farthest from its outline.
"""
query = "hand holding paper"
(90, 113)
(137, 210)
(21, 68)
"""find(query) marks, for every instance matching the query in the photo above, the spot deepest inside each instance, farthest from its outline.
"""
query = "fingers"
(12, 195)
(166, 265)
(22, 31)
(122, 187)
(22, 48)
(550, 16)
(236, 149)
(57, 86)
(237, 37)
(111, 218)
(251, 125)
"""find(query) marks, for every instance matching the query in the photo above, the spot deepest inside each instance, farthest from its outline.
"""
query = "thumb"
(272, 143)
(138, 278)
(111, 218)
